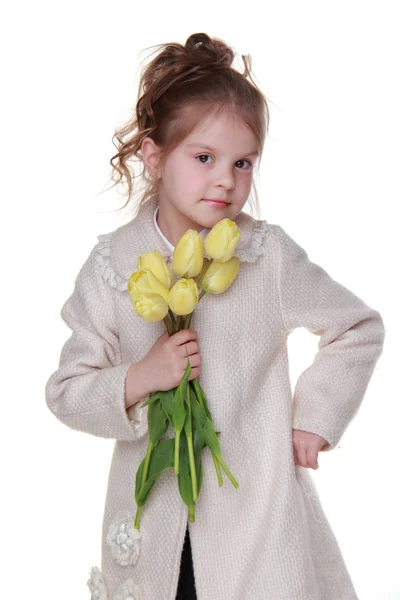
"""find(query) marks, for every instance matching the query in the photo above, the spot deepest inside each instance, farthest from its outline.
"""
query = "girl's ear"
(150, 155)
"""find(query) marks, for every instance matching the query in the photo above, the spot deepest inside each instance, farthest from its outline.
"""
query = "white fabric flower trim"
(128, 591)
(123, 538)
(97, 585)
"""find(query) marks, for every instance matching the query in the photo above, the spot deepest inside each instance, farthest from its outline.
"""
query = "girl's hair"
(179, 87)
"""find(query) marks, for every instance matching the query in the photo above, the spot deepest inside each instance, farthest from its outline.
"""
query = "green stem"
(192, 467)
(197, 391)
(188, 319)
(218, 470)
(172, 317)
(227, 471)
(199, 396)
(168, 324)
(176, 458)
(191, 513)
(138, 514)
(144, 477)
(189, 439)
(207, 263)
(146, 463)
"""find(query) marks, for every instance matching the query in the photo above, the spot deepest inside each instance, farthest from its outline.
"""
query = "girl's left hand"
(306, 446)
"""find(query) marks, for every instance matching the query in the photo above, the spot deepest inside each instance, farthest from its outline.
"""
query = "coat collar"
(139, 235)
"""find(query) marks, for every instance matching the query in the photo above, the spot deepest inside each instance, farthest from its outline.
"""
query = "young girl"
(199, 131)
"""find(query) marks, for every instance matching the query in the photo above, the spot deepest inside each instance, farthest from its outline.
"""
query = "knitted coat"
(269, 539)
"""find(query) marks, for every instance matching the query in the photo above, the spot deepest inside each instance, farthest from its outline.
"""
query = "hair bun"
(196, 39)
(214, 52)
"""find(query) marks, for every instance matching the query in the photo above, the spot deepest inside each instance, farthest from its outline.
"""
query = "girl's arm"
(327, 394)
(87, 392)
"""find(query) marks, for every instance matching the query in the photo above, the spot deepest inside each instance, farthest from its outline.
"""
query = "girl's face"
(215, 162)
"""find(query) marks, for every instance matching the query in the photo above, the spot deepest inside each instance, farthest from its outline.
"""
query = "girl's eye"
(239, 161)
(201, 156)
(244, 160)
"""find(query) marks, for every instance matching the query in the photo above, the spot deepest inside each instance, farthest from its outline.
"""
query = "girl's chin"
(208, 216)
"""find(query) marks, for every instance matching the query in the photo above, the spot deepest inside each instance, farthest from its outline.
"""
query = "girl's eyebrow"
(200, 145)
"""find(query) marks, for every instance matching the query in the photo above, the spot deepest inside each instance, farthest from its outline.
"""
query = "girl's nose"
(225, 179)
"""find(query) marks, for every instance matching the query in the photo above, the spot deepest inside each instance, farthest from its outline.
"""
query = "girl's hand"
(306, 446)
(165, 363)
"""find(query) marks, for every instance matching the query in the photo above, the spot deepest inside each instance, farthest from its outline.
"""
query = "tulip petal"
(221, 241)
(188, 255)
(183, 296)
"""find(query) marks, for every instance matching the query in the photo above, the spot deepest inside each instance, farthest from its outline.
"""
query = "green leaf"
(162, 457)
(187, 427)
(152, 399)
(201, 396)
(198, 442)
(198, 445)
(184, 479)
(199, 477)
(198, 413)
(157, 420)
(206, 427)
(178, 411)
(167, 401)
(211, 438)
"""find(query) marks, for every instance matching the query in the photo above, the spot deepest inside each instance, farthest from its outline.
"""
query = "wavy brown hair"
(180, 86)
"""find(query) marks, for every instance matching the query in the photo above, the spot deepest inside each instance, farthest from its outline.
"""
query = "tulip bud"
(151, 307)
(183, 297)
(220, 243)
(156, 263)
(144, 282)
(187, 258)
(220, 275)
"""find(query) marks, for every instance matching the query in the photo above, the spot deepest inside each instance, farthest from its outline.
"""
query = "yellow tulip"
(220, 243)
(188, 256)
(183, 297)
(151, 307)
(220, 275)
(156, 263)
(144, 282)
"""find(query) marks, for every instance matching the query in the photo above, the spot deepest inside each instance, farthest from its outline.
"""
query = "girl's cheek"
(194, 178)
(244, 183)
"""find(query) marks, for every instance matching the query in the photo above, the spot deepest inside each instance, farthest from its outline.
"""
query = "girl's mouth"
(216, 203)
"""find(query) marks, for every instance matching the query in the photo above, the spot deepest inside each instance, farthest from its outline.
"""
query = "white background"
(329, 176)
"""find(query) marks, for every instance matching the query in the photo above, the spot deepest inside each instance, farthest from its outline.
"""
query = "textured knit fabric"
(270, 538)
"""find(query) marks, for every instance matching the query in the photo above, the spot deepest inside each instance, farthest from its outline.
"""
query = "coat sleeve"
(87, 391)
(327, 394)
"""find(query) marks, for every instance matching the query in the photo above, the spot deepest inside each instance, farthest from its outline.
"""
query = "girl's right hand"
(166, 361)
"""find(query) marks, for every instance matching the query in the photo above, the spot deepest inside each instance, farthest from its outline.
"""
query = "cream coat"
(270, 538)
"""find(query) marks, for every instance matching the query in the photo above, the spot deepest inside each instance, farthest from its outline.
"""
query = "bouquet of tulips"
(155, 297)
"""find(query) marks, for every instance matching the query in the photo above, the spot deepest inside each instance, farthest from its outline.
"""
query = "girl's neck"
(173, 224)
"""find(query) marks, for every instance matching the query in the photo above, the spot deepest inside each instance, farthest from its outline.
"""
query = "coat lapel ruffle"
(119, 250)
